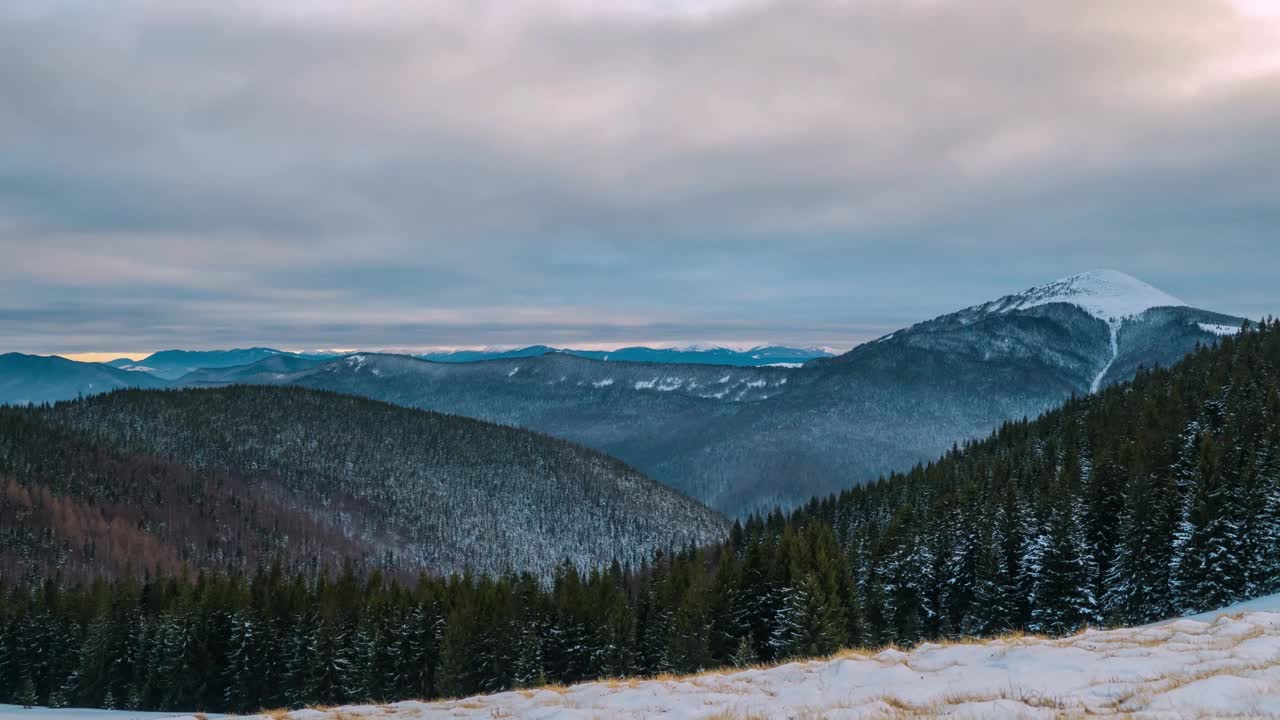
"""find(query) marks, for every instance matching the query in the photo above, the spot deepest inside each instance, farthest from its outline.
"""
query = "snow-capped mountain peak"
(1109, 295)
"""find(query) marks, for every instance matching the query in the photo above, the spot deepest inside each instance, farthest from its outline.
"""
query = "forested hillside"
(405, 489)
(79, 509)
(1150, 499)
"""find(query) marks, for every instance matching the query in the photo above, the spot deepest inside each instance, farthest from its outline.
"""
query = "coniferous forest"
(1149, 499)
(235, 477)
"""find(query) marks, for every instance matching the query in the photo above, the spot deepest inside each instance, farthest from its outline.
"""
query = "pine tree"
(1210, 568)
(1064, 600)
(989, 613)
(726, 630)
(808, 623)
(1138, 584)
(615, 633)
(526, 669)
(688, 634)
(1265, 548)
(906, 575)
(744, 655)
(457, 675)
(241, 679)
(353, 663)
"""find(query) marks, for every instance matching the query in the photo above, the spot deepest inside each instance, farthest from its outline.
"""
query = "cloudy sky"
(213, 173)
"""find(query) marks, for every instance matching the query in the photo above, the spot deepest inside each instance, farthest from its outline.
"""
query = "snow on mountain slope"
(1219, 329)
(1227, 664)
(1108, 295)
(567, 379)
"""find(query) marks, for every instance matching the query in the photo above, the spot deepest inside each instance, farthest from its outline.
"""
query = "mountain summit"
(1108, 295)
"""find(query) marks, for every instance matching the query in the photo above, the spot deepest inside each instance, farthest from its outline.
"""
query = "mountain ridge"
(33, 379)
(746, 438)
(743, 439)
(173, 364)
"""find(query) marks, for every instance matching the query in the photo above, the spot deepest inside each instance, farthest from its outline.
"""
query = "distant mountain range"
(755, 357)
(37, 379)
(747, 438)
(173, 364)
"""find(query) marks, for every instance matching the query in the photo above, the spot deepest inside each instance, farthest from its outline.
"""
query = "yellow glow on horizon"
(98, 357)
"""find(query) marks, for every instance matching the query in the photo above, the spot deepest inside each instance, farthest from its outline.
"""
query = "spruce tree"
(1210, 570)
(1064, 600)
(809, 622)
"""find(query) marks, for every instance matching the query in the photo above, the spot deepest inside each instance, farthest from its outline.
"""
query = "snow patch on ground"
(1210, 666)
(666, 384)
(1219, 329)
(602, 383)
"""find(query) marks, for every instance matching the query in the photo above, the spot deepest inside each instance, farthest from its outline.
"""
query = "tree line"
(1153, 498)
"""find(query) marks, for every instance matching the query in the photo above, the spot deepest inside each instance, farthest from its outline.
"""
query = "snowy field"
(17, 712)
(1222, 664)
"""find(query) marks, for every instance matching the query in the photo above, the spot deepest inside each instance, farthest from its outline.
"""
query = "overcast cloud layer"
(202, 174)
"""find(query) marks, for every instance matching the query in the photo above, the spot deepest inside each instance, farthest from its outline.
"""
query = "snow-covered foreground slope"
(1227, 666)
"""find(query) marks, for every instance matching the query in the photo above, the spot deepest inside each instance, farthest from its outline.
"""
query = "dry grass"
(1133, 692)
(1145, 691)
(557, 688)
(898, 708)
